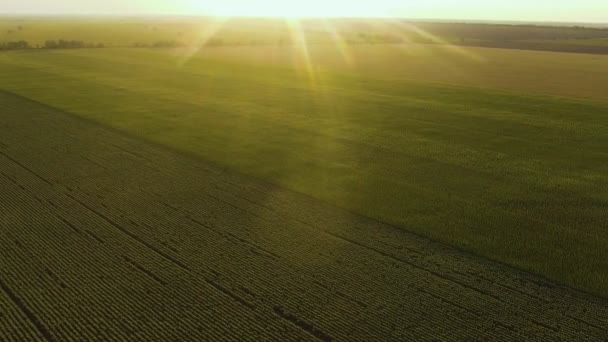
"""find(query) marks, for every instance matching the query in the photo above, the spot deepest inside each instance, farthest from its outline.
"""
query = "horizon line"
(204, 15)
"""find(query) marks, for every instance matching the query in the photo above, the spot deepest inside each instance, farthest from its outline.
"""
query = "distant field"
(499, 152)
(186, 31)
(588, 46)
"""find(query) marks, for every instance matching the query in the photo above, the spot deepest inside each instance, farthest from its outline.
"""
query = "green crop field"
(194, 179)
(104, 236)
(498, 152)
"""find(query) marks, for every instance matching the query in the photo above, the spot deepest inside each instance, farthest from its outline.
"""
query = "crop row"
(113, 291)
(123, 239)
(158, 221)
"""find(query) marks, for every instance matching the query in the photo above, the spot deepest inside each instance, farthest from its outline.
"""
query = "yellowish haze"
(310, 8)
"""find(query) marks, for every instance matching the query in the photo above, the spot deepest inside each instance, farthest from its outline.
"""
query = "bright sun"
(293, 8)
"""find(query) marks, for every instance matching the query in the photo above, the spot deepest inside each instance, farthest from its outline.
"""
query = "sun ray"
(448, 45)
(298, 37)
(206, 33)
(403, 31)
(339, 41)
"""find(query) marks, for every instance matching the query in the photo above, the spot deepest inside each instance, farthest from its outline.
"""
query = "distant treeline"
(70, 44)
(16, 45)
(49, 44)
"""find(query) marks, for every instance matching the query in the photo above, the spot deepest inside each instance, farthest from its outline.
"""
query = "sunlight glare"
(293, 8)
(299, 37)
(339, 41)
(206, 33)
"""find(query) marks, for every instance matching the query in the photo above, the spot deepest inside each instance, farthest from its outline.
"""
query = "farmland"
(300, 189)
(104, 236)
(452, 162)
(213, 31)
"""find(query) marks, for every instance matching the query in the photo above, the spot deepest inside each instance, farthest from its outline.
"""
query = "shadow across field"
(518, 178)
(107, 236)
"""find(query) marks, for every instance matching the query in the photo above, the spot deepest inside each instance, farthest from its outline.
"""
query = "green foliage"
(16, 45)
(513, 176)
(116, 237)
(64, 44)
(49, 44)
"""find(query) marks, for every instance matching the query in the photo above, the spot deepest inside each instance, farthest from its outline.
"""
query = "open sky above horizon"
(508, 10)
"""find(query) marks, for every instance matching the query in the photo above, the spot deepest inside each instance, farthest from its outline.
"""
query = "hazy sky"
(536, 10)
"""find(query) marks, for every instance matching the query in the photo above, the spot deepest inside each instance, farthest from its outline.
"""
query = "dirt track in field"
(106, 237)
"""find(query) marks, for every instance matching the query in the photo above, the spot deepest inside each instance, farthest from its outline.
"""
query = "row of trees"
(70, 44)
(49, 44)
(16, 45)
